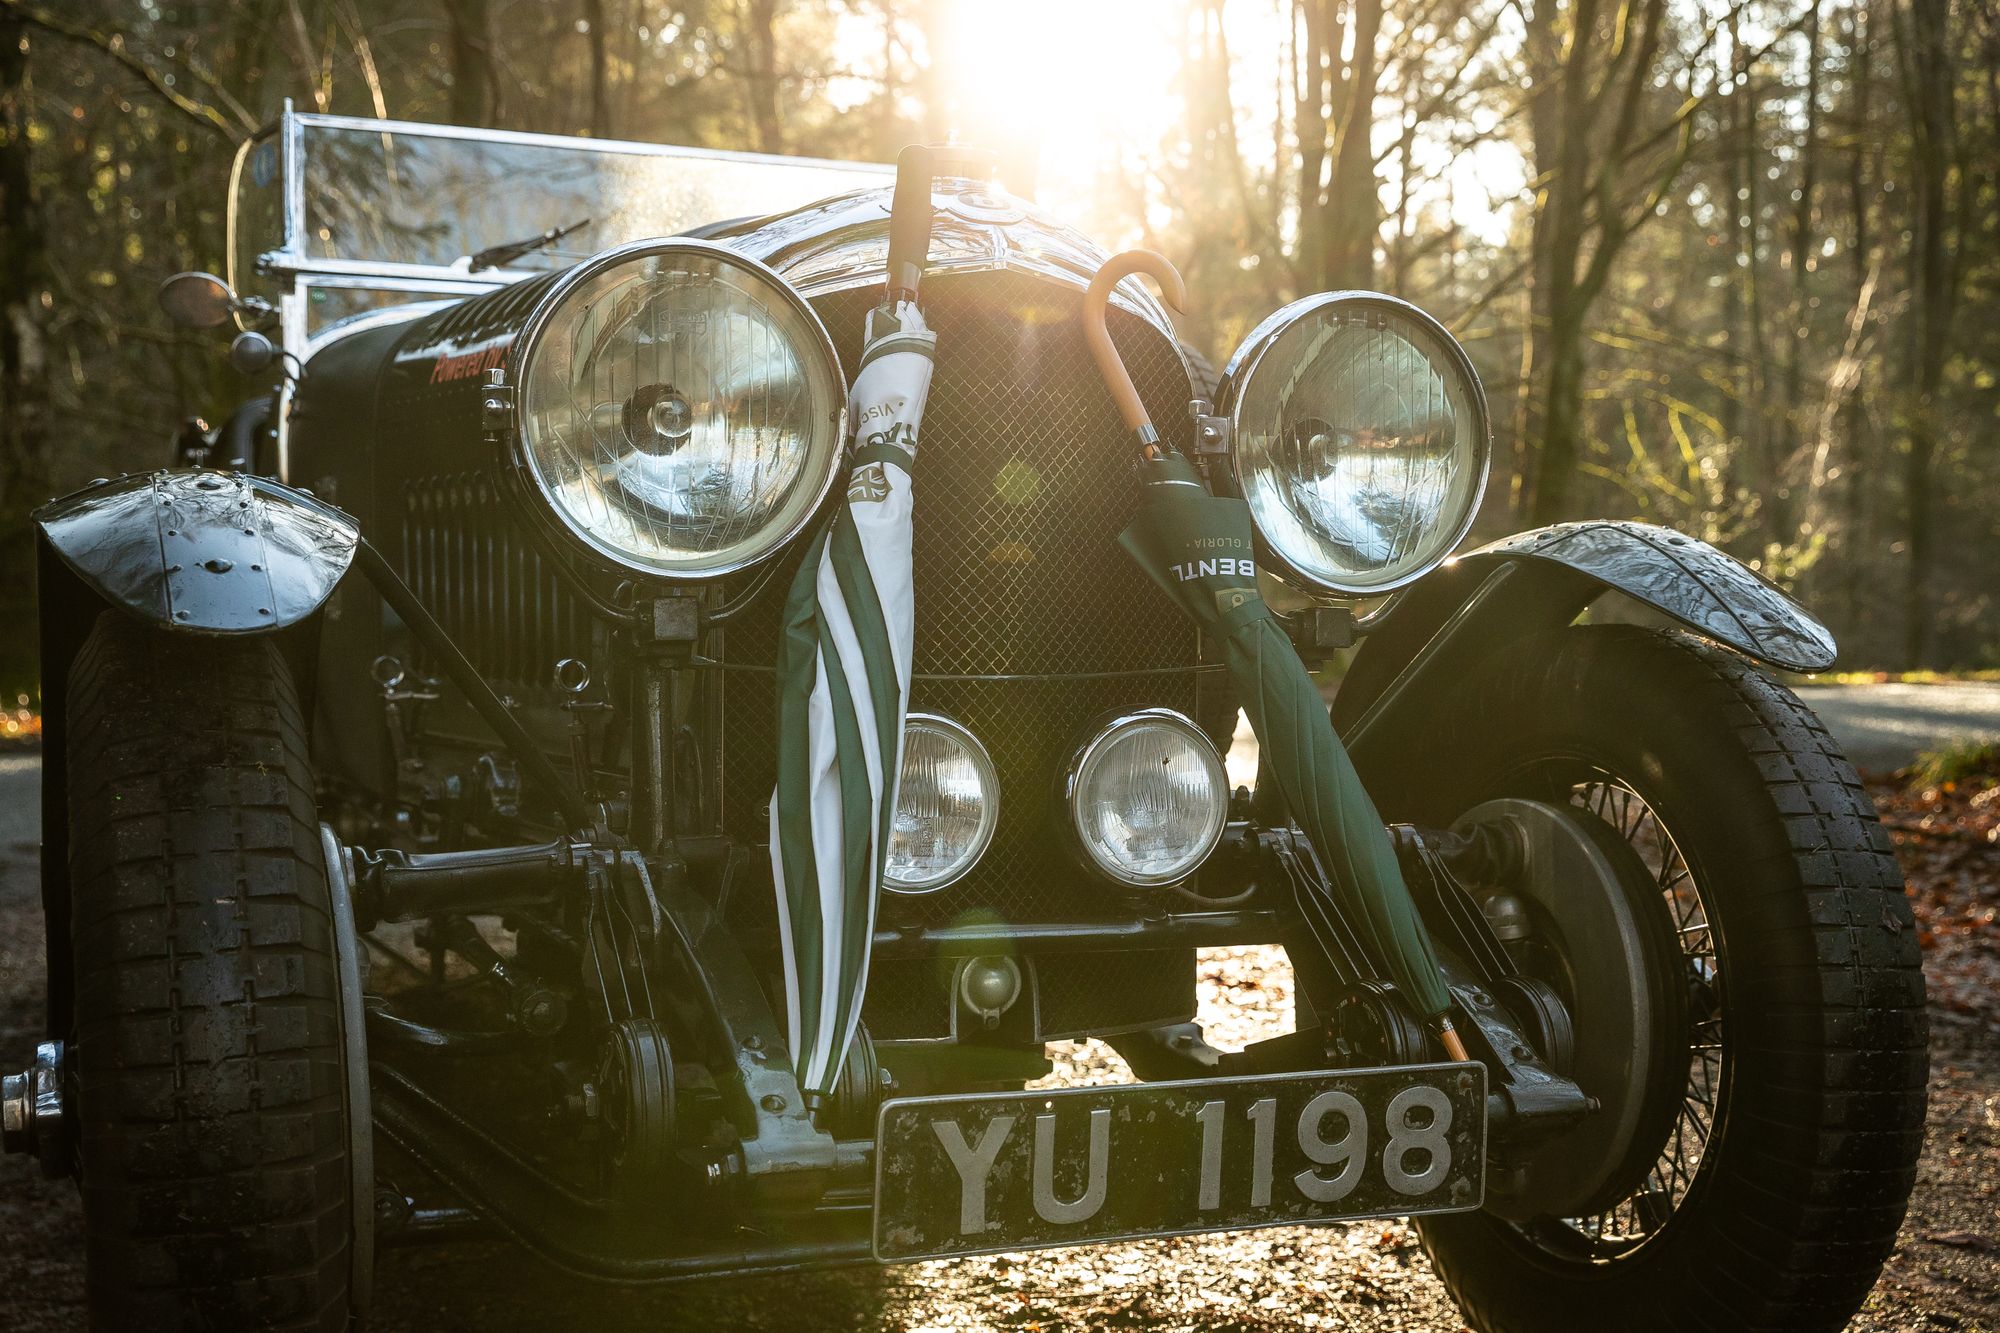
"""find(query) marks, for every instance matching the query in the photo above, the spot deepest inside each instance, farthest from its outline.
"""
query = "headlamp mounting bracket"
(1212, 431)
(496, 403)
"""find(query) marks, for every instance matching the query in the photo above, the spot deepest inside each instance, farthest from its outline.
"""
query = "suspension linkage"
(394, 885)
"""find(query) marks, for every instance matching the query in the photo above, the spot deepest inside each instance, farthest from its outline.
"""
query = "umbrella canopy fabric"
(1198, 547)
(843, 688)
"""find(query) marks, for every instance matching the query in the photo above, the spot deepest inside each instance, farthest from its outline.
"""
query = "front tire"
(209, 1080)
(1778, 1193)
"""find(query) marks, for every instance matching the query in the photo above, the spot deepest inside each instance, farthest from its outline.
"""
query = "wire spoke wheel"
(1780, 1109)
(1642, 1215)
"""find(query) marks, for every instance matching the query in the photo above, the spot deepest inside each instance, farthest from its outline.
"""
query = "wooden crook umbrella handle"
(1096, 332)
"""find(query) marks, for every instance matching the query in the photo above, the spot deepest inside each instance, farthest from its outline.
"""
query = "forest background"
(1728, 265)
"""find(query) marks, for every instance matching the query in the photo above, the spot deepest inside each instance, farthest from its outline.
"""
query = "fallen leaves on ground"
(1948, 840)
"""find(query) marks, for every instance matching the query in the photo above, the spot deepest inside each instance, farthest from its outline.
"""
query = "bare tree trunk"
(761, 38)
(1355, 215)
(475, 83)
(600, 73)
(1854, 413)
(1334, 112)
(1799, 324)
(932, 21)
(1929, 91)
(1596, 126)
(1773, 512)
(1736, 464)
(1399, 247)
(1544, 63)
(24, 390)
(1565, 193)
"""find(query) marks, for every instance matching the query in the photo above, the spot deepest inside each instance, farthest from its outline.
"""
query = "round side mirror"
(197, 300)
(250, 352)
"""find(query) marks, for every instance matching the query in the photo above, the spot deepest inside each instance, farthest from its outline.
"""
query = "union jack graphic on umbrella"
(843, 689)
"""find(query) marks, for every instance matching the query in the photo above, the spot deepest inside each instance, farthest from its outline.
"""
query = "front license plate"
(973, 1174)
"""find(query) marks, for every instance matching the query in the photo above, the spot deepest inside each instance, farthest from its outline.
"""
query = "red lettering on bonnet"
(467, 365)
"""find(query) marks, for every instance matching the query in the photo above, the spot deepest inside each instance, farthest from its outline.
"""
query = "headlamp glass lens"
(1361, 445)
(947, 805)
(1149, 798)
(681, 411)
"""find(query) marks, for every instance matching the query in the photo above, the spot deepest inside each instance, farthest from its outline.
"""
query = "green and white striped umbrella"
(843, 688)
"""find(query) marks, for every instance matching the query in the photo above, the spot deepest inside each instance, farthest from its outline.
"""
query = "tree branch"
(113, 44)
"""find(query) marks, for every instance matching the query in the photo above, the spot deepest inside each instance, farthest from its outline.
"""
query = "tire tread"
(208, 1057)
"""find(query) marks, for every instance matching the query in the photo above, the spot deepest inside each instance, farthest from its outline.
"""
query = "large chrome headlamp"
(1361, 440)
(681, 408)
(1148, 798)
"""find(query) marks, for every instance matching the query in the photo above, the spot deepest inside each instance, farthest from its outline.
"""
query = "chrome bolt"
(16, 1112)
(773, 1103)
(31, 1111)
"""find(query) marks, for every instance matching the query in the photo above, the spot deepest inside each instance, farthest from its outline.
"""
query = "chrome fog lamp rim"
(1250, 356)
(521, 358)
(989, 807)
(1111, 729)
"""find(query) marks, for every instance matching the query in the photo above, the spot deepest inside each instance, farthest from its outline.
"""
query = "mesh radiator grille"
(1024, 480)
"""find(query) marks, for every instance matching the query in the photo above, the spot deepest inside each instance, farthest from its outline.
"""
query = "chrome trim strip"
(288, 263)
(354, 1043)
(630, 147)
(364, 320)
(841, 243)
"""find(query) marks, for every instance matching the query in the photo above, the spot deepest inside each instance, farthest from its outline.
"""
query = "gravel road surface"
(1884, 727)
(1365, 1276)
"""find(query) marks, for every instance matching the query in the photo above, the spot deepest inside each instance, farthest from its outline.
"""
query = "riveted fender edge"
(200, 551)
(1552, 574)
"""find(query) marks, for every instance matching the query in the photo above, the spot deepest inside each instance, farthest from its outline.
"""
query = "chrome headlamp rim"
(1242, 369)
(1101, 733)
(989, 813)
(520, 358)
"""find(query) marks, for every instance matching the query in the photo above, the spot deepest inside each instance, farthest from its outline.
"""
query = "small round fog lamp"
(1148, 797)
(989, 987)
(947, 806)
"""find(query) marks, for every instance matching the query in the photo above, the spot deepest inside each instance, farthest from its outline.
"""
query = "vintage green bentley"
(414, 766)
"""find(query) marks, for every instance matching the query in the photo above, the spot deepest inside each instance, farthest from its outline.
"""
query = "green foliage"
(1966, 760)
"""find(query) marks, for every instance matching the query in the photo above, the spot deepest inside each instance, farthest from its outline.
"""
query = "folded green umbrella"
(1199, 548)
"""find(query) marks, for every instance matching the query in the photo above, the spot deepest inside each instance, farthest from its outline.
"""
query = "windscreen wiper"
(508, 251)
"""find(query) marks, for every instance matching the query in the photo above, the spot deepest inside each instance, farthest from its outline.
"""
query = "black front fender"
(1452, 620)
(202, 551)
(190, 550)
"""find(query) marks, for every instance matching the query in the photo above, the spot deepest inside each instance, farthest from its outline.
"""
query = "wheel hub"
(1614, 958)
